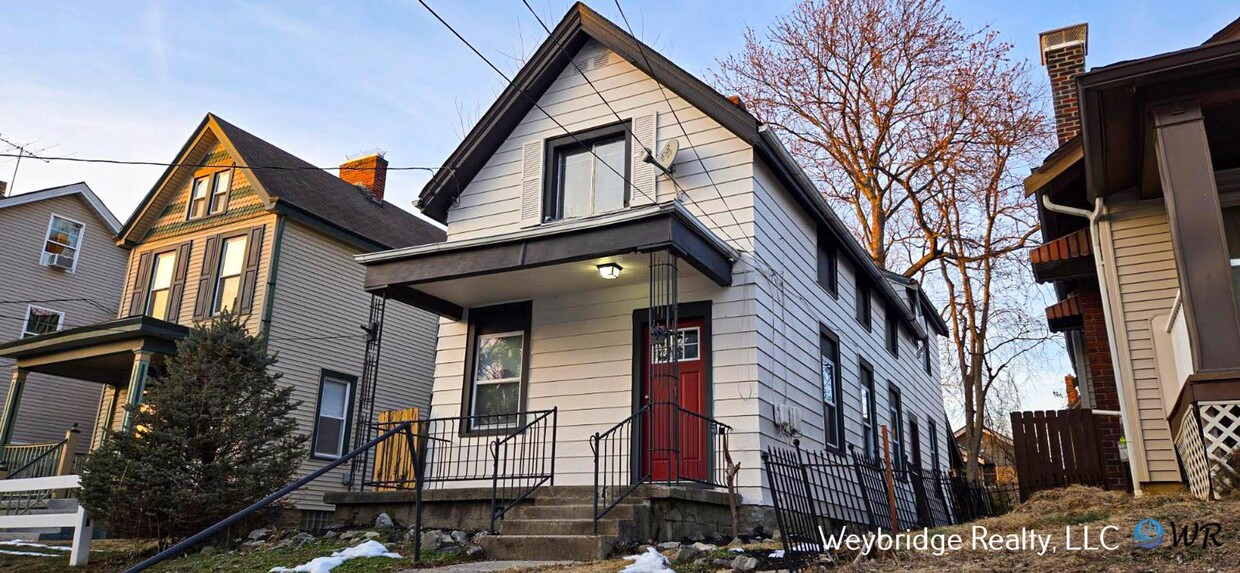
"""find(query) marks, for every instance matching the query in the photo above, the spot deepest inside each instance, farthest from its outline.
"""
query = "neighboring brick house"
(60, 269)
(1140, 213)
(237, 223)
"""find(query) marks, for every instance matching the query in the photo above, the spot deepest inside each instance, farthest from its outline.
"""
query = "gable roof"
(578, 26)
(81, 189)
(294, 187)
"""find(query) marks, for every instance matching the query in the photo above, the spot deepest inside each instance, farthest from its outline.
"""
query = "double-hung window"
(221, 183)
(828, 263)
(914, 441)
(869, 419)
(498, 355)
(199, 197)
(159, 299)
(589, 174)
(864, 304)
(893, 331)
(209, 194)
(829, 360)
(331, 424)
(63, 241)
(41, 320)
(896, 427)
(934, 444)
(228, 281)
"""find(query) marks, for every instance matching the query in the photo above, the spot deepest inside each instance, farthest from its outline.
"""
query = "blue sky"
(130, 80)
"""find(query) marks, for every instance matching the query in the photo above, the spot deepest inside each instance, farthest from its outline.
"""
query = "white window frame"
(682, 356)
(220, 276)
(26, 333)
(149, 308)
(325, 378)
(47, 236)
(473, 379)
(206, 204)
(214, 208)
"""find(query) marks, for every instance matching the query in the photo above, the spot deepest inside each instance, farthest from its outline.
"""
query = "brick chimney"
(368, 171)
(1063, 54)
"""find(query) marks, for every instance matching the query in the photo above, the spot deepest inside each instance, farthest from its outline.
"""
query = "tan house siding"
(316, 316)
(1138, 237)
(51, 404)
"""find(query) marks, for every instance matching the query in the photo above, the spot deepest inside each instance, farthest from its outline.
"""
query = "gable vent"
(591, 63)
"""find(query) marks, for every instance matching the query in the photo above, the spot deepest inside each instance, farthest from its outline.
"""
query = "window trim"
(212, 207)
(215, 310)
(150, 284)
(552, 203)
(60, 324)
(934, 444)
(827, 334)
(208, 209)
(47, 236)
(914, 441)
(337, 376)
(494, 319)
(828, 261)
(895, 431)
(473, 379)
(864, 312)
(206, 205)
(892, 332)
(872, 405)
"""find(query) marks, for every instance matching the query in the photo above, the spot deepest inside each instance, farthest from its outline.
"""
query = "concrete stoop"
(559, 525)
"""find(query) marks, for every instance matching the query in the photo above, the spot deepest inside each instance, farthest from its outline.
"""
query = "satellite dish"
(667, 154)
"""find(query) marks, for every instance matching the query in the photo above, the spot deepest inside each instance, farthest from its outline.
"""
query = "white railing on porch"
(1176, 357)
(78, 520)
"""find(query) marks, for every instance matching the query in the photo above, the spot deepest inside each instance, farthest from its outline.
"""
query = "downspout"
(1096, 244)
(269, 298)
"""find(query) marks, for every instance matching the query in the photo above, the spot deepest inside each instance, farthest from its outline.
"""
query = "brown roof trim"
(1055, 164)
(1228, 33)
(1065, 257)
(1064, 315)
(1153, 66)
(112, 330)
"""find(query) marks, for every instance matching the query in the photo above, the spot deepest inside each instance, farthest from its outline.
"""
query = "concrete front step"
(547, 547)
(567, 511)
(558, 527)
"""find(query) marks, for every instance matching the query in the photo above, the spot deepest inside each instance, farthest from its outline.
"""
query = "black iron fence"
(824, 493)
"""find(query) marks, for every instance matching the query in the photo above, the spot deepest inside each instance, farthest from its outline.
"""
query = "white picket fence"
(78, 520)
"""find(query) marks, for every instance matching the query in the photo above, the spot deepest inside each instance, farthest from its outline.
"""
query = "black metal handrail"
(523, 461)
(623, 463)
(403, 428)
(43, 465)
(24, 456)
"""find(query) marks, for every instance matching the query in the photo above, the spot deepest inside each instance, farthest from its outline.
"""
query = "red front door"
(671, 433)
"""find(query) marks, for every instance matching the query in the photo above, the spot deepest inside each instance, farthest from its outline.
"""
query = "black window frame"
(832, 421)
(337, 376)
(892, 331)
(495, 319)
(828, 263)
(552, 201)
(926, 358)
(869, 403)
(914, 441)
(934, 444)
(865, 305)
(895, 430)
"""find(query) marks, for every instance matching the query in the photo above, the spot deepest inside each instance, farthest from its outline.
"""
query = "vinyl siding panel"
(51, 404)
(1145, 270)
(318, 309)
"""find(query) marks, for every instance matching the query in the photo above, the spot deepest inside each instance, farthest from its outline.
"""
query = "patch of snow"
(776, 554)
(649, 562)
(736, 550)
(370, 548)
(20, 543)
(29, 553)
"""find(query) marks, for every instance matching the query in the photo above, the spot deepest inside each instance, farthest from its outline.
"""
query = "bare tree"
(916, 129)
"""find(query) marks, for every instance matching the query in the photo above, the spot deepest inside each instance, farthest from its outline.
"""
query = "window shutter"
(531, 183)
(644, 189)
(177, 291)
(206, 279)
(142, 282)
(249, 276)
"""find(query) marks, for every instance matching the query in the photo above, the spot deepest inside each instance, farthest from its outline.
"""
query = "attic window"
(589, 173)
(209, 194)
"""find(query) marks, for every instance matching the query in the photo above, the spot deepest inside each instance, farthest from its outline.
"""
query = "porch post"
(137, 383)
(17, 385)
(1197, 235)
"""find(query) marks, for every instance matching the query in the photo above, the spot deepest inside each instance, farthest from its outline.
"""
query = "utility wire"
(531, 99)
(67, 325)
(91, 301)
(256, 167)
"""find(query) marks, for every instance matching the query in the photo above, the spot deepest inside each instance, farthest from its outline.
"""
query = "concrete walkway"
(488, 566)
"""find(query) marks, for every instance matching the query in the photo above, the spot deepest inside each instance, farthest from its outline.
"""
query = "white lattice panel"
(1192, 453)
(1220, 428)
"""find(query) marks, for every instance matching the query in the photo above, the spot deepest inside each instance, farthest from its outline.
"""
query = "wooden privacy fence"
(1057, 448)
(393, 467)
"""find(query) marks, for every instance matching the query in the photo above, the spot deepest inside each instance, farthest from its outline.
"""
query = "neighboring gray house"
(60, 269)
(241, 224)
(568, 253)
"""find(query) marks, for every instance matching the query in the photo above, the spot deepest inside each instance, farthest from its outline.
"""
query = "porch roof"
(406, 274)
(100, 352)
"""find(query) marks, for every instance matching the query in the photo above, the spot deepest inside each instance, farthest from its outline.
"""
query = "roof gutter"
(1126, 414)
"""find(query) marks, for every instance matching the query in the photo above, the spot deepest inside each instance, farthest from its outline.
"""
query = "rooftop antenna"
(21, 152)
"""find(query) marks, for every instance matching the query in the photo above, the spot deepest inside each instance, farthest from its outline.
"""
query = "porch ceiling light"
(609, 271)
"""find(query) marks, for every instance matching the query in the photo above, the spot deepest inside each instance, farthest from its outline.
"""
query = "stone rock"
(259, 534)
(721, 562)
(451, 550)
(705, 547)
(371, 535)
(384, 521)
(302, 538)
(331, 535)
(686, 553)
(459, 536)
(472, 550)
(349, 535)
(669, 545)
(697, 536)
(209, 550)
(744, 563)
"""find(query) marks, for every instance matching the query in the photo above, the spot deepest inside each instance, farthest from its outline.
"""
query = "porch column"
(17, 385)
(137, 383)
(1187, 174)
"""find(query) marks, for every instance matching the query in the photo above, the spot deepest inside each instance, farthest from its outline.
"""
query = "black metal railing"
(523, 461)
(829, 493)
(627, 454)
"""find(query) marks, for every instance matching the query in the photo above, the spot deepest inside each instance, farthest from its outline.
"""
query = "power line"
(531, 99)
(254, 167)
(91, 301)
